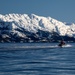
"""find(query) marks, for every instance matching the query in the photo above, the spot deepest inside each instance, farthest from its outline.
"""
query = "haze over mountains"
(33, 28)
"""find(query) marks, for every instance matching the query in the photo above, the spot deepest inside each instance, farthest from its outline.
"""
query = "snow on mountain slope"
(33, 23)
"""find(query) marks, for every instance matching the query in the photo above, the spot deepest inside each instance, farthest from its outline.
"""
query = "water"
(36, 59)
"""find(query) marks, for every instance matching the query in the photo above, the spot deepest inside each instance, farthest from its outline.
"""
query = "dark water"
(36, 59)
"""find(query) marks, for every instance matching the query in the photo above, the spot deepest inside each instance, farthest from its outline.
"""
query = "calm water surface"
(36, 59)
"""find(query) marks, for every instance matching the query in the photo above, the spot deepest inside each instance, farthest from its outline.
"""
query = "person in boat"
(61, 43)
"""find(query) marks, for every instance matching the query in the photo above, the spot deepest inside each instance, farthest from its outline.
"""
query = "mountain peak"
(33, 23)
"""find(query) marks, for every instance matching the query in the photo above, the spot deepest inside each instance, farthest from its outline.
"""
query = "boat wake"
(31, 47)
(67, 45)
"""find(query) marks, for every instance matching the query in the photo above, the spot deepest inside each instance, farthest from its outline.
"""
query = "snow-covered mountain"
(24, 28)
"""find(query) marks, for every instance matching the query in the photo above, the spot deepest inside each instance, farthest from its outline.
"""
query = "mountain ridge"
(32, 27)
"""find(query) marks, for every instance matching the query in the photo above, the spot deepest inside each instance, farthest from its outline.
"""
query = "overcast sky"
(62, 10)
